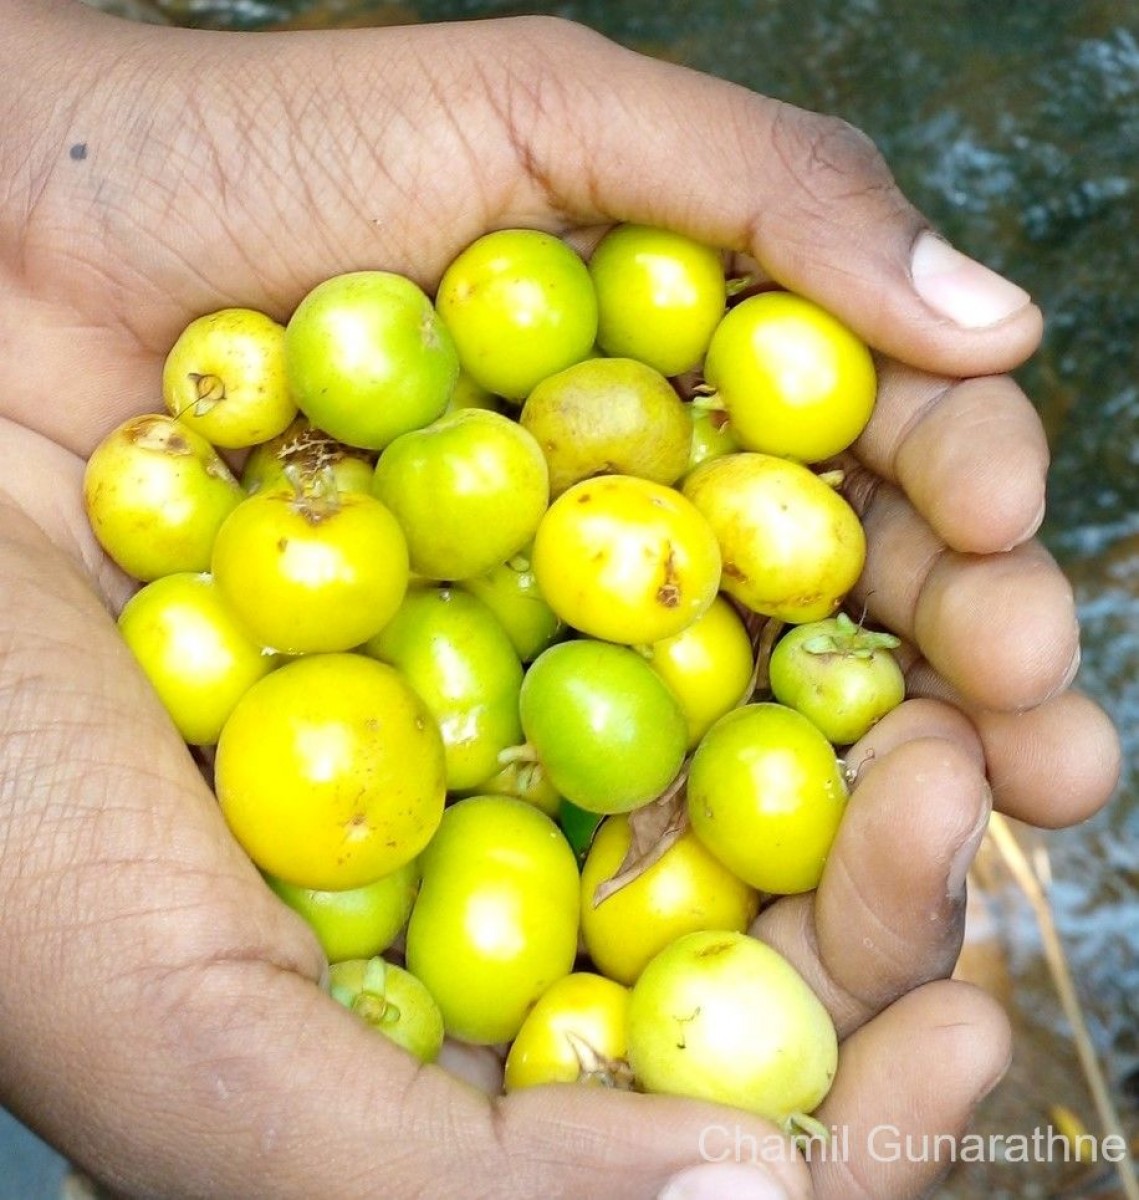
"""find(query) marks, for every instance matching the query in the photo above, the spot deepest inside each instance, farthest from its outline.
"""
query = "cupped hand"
(162, 1020)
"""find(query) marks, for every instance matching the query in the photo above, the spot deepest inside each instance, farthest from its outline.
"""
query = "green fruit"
(843, 678)
(356, 922)
(457, 657)
(468, 491)
(304, 458)
(660, 296)
(712, 435)
(520, 305)
(368, 358)
(510, 590)
(392, 1001)
(496, 919)
(603, 725)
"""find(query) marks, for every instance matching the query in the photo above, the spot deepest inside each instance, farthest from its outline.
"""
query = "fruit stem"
(706, 399)
(802, 1128)
(833, 479)
(209, 389)
(525, 753)
(375, 975)
(370, 1003)
(850, 639)
(316, 494)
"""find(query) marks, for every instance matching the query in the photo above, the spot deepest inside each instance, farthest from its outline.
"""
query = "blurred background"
(1014, 124)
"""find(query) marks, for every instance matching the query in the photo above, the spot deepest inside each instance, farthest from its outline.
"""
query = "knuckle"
(828, 157)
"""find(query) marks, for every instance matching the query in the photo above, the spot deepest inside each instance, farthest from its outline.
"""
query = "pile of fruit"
(507, 625)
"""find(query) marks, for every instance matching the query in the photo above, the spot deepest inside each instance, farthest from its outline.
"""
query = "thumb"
(583, 1142)
(807, 195)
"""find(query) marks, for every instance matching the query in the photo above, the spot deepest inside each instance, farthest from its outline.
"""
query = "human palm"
(164, 1023)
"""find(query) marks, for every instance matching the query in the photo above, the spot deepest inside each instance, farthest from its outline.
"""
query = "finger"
(999, 628)
(911, 1076)
(26, 461)
(1052, 766)
(580, 1142)
(808, 195)
(971, 456)
(480, 1066)
(888, 913)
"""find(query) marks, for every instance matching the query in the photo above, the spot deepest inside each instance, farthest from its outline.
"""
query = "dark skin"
(163, 1023)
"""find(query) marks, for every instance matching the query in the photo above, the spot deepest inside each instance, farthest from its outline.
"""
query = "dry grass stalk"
(1029, 880)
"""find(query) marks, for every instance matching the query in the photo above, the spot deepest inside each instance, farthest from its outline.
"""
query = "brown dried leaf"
(654, 828)
(764, 632)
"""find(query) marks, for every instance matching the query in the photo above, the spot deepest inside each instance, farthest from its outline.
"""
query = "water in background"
(1015, 125)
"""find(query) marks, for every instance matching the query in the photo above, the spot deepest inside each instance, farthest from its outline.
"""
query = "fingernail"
(960, 288)
(963, 856)
(722, 1181)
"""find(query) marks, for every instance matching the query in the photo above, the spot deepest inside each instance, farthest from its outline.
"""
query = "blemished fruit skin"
(305, 457)
(792, 547)
(475, 656)
(722, 1017)
(225, 378)
(156, 493)
(308, 575)
(626, 560)
(612, 416)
